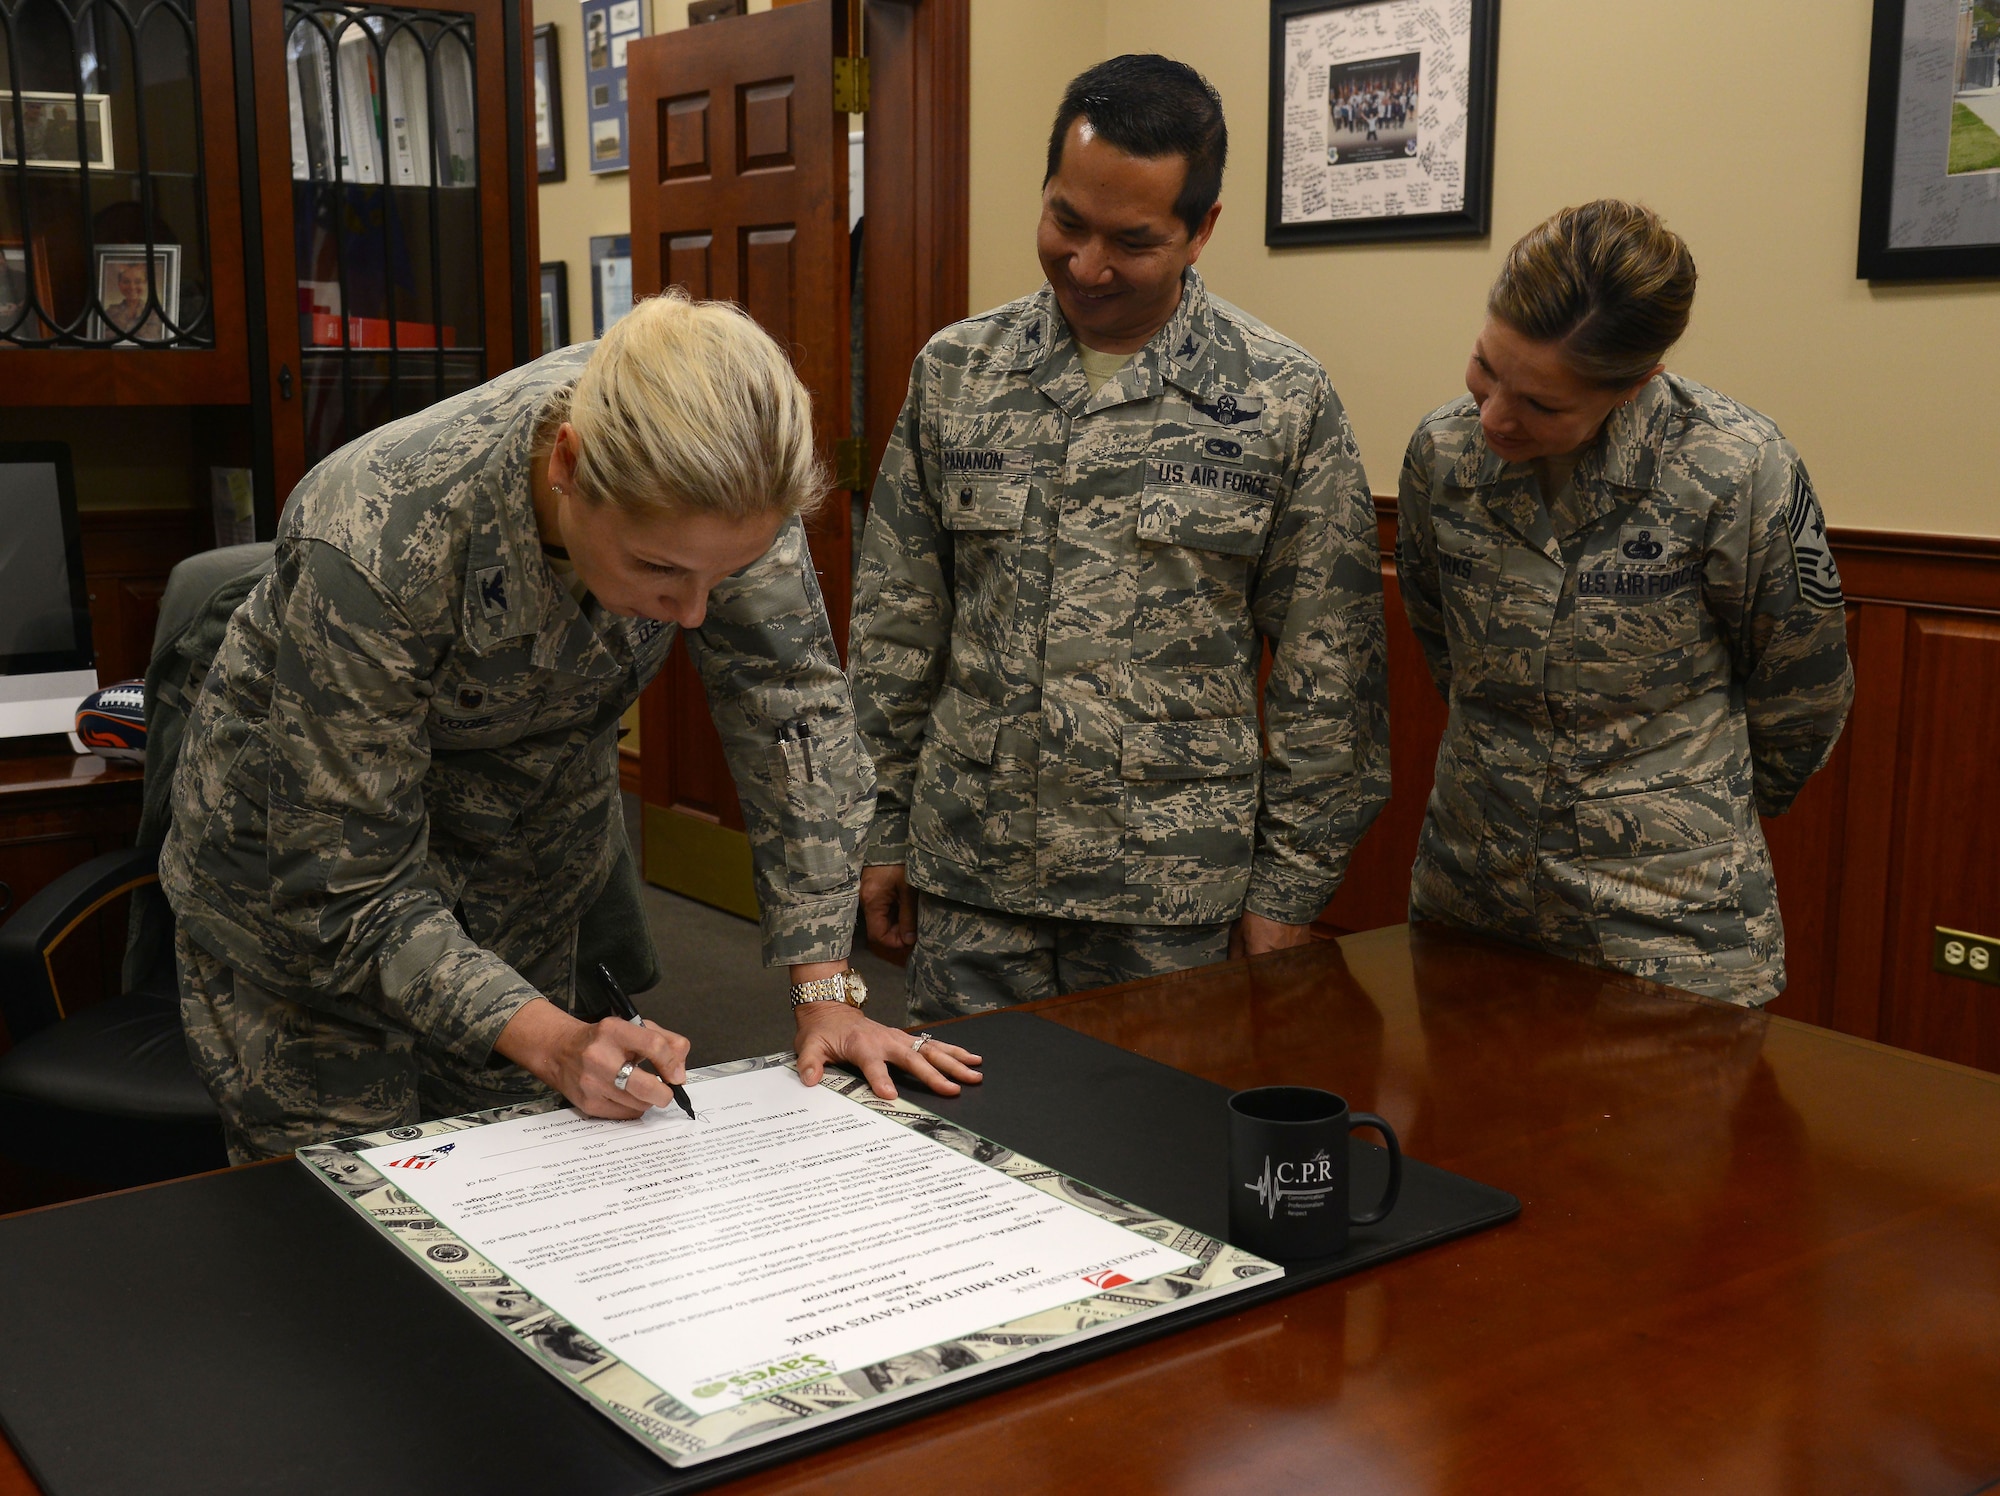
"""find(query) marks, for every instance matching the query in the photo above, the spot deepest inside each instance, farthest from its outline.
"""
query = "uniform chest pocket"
(982, 504)
(984, 517)
(1228, 524)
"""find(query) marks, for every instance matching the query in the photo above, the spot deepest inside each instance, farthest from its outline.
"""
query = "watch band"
(838, 988)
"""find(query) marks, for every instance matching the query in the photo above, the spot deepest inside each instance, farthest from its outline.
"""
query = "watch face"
(857, 990)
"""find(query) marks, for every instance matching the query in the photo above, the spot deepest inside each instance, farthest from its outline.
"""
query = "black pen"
(622, 1006)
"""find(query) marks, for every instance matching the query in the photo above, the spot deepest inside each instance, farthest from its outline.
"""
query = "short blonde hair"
(1608, 281)
(690, 405)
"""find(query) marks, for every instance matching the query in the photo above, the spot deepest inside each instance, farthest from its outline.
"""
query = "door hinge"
(850, 85)
(848, 471)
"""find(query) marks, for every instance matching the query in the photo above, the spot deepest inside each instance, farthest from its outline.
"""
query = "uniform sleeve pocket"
(818, 858)
(965, 725)
(1215, 749)
(1229, 523)
(972, 504)
(1682, 819)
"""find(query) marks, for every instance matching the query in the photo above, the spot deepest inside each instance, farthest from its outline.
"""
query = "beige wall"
(1742, 123)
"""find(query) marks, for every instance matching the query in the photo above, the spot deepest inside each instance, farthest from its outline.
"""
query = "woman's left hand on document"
(833, 1031)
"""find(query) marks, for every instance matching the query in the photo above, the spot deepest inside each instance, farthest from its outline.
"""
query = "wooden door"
(396, 268)
(739, 193)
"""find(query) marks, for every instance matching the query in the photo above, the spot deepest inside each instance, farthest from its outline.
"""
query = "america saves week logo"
(422, 1160)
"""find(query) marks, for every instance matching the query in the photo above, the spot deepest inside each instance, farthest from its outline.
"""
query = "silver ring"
(624, 1075)
(921, 1041)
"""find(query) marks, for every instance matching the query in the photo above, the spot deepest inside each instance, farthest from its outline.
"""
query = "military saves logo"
(422, 1160)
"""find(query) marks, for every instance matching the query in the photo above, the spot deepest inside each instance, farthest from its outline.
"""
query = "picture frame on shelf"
(610, 280)
(551, 161)
(125, 308)
(23, 268)
(1930, 158)
(43, 135)
(1381, 122)
(555, 305)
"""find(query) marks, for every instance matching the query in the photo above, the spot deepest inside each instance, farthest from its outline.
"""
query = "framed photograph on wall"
(125, 294)
(610, 280)
(551, 164)
(1381, 120)
(1930, 168)
(555, 305)
(609, 27)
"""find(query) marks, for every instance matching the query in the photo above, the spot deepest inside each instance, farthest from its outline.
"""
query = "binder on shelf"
(458, 148)
(409, 114)
(311, 87)
(360, 106)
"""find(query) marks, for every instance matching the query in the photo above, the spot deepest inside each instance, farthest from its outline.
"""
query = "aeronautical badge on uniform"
(1812, 552)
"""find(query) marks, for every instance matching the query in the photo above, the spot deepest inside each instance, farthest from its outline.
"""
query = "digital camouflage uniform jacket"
(1061, 605)
(1624, 699)
(400, 785)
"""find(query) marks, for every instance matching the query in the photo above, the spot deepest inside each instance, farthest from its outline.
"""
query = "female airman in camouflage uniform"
(399, 790)
(1622, 584)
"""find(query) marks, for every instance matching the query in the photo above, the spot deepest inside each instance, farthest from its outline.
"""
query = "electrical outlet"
(1959, 953)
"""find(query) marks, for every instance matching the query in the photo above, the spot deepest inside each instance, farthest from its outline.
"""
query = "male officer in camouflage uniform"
(399, 791)
(1099, 503)
(1631, 684)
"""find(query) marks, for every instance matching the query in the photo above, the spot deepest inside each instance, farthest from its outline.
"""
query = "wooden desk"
(1753, 1256)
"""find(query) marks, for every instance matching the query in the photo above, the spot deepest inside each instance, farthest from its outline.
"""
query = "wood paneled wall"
(1899, 833)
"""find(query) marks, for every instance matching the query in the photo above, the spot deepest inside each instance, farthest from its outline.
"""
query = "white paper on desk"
(795, 1256)
(786, 1236)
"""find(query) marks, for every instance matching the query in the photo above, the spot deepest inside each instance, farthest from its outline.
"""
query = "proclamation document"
(794, 1255)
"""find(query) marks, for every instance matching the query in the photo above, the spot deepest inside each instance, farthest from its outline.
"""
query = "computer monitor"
(46, 664)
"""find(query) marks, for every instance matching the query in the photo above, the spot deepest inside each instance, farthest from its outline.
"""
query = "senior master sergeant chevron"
(1098, 504)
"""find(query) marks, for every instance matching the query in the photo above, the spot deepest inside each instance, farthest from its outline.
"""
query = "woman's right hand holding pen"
(583, 1060)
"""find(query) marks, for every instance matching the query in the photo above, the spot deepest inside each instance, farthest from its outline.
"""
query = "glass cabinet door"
(104, 227)
(386, 212)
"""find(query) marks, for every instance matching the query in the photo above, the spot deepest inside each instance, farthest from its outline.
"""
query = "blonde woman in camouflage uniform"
(399, 788)
(1622, 583)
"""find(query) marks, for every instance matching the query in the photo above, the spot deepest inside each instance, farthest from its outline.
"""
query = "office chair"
(107, 1094)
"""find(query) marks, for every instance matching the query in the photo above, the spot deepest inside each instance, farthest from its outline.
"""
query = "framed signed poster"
(1381, 120)
(1930, 168)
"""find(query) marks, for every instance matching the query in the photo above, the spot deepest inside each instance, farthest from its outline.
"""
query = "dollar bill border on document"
(676, 1432)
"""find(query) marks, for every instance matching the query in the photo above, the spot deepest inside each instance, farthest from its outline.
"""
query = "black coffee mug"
(1288, 1189)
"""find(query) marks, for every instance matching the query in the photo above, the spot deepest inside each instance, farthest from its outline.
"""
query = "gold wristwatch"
(842, 987)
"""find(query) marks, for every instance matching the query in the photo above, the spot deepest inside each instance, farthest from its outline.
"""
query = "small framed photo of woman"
(130, 300)
(1381, 120)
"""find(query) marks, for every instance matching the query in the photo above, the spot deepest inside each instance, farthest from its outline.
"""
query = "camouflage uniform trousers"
(284, 1074)
(972, 960)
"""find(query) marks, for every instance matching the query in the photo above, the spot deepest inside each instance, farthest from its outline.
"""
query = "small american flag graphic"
(422, 1160)
(1105, 1279)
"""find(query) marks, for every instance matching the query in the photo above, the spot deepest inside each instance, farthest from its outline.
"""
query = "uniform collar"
(510, 593)
(1177, 354)
(1626, 455)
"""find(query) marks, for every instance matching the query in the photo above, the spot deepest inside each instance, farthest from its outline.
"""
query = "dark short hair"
(1152, 106)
